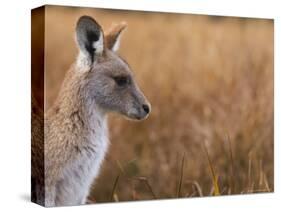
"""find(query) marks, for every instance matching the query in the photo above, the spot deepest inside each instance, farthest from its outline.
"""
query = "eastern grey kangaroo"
(76, 135)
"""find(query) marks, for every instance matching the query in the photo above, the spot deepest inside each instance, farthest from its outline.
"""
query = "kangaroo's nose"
(146, 108)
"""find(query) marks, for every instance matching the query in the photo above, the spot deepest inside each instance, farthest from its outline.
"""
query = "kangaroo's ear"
(112, 36)
(89, 37)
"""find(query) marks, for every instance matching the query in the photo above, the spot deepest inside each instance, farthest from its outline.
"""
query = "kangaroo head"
(107, 78)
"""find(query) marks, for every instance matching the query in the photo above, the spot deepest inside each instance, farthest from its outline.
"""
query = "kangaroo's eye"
(122, 80)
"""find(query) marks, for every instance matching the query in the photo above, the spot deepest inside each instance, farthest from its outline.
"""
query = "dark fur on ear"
(89, 37)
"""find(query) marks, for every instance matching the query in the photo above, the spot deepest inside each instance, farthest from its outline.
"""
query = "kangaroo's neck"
(74, 108)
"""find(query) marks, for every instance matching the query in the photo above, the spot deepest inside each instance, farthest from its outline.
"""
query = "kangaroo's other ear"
(112, 36)
(89, 36)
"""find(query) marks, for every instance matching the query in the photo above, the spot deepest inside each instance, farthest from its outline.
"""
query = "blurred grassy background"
(209, 81)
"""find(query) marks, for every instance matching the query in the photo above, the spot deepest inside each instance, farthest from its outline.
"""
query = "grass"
(181, 177)
(207, 79)
(232, 180)
(212, 171)
(113, 194)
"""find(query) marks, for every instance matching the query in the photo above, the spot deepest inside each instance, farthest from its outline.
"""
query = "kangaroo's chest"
(79, 175)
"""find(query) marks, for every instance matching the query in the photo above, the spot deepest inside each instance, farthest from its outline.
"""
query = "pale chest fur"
(89, 147)
(78, 176)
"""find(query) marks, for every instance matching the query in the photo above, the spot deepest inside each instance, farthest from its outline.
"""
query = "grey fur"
(76, 135)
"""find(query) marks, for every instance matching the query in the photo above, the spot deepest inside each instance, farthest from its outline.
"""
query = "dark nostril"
(145, 108)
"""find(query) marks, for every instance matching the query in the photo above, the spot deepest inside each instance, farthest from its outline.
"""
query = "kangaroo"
(75, 127)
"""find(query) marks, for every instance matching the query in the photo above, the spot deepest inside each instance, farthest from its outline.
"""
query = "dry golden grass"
(210, 83)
